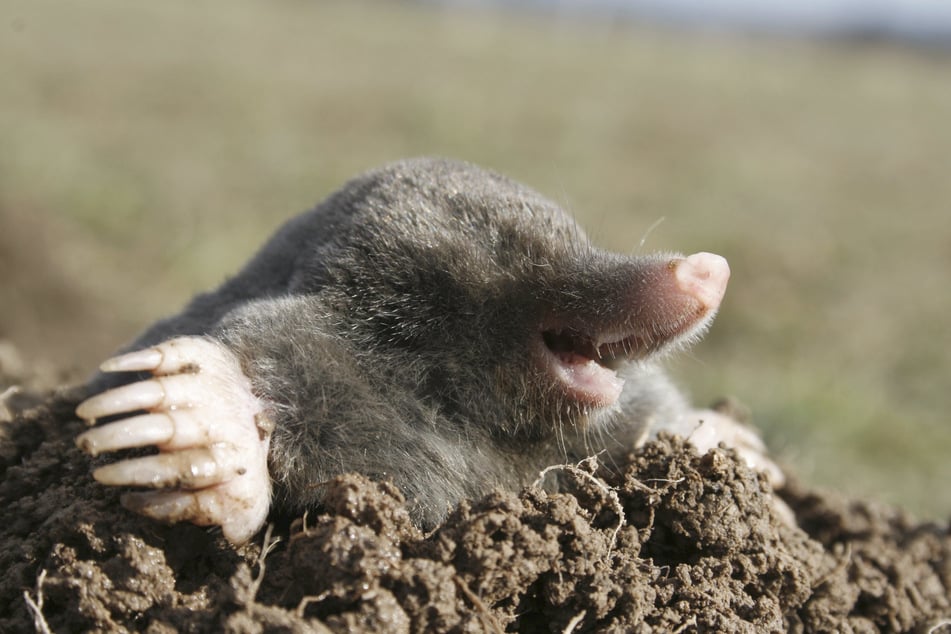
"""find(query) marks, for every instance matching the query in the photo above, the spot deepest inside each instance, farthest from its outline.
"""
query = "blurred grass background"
(147, 149)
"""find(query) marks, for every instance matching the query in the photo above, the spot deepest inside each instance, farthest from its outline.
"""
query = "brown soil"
(667, 542)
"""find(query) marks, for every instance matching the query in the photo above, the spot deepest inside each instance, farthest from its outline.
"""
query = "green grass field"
(147, 149)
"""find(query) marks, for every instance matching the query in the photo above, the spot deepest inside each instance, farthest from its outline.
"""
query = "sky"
(927, 21)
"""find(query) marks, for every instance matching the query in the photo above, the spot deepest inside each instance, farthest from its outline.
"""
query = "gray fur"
(388, 331)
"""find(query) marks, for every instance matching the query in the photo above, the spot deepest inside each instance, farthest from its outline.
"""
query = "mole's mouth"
(609, 352)
(667, 302)
(587, 367)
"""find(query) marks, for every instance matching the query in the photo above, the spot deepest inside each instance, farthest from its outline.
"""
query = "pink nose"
(704, 276)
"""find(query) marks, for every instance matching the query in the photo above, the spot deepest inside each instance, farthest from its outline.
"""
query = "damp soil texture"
(667, 541)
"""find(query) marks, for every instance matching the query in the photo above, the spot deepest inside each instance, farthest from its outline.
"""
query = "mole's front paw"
(207, 425)
(713, 428)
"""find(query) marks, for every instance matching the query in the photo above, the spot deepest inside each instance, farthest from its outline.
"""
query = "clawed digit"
(714, 428)
(201, 415)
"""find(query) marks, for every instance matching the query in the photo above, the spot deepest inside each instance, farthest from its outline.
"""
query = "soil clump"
(665, 541)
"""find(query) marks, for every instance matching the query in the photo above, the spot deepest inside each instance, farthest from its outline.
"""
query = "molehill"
(664, 541)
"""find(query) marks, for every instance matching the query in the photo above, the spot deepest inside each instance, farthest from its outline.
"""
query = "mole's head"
(492, 302)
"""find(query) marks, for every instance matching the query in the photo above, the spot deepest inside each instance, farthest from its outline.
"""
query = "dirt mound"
(667, 541)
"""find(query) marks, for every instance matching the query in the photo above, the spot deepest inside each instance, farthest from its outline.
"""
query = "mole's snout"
(703, 276)
(669, 302)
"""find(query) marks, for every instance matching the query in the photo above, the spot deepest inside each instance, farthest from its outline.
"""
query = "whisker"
(648, 232)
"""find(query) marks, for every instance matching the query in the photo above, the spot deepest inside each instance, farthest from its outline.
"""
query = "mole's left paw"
(207, 425)
(713, 428)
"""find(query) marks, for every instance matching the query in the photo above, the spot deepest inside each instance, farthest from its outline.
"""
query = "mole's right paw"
(207, 425)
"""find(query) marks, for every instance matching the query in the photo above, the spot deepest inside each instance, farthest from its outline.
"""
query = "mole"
(432, 323)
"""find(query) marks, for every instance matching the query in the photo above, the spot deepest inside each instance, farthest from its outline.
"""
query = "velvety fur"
(390, 332)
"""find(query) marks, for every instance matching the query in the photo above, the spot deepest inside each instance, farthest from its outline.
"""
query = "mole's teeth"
(128, 398)
(613, 337)
(140, 360)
